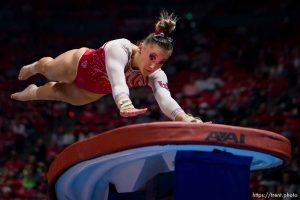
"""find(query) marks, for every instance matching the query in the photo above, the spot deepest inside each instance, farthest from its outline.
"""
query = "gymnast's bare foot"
(27, 71)
(25, 95)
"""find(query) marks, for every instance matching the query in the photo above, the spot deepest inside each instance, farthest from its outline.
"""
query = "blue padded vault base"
(211, 175)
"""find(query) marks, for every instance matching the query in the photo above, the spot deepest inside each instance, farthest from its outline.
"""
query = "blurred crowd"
(235, 63)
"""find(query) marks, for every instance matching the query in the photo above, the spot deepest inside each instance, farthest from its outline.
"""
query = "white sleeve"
(159, 83)
(116, 59)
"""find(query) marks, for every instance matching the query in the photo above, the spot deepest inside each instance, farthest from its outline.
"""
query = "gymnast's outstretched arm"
(159, 84)
(116, 60)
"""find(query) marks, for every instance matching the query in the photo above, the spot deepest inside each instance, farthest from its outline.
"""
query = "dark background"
(234, 62)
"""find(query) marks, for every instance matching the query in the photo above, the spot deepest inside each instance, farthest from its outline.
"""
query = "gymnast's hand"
(189, 118)
(128, 110)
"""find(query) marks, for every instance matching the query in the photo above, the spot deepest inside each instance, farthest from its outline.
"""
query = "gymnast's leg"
(57, 91)
(62, 68)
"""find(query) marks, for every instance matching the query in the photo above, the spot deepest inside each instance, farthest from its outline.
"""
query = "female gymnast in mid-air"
(81, 76)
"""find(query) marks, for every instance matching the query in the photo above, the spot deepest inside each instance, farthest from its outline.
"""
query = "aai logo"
(226, 137)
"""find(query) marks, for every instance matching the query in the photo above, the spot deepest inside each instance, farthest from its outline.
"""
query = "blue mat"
(211, 175)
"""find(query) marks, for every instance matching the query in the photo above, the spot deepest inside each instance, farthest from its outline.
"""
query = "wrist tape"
(125, 103)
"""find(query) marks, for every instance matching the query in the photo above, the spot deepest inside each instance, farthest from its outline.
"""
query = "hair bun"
(166, 23)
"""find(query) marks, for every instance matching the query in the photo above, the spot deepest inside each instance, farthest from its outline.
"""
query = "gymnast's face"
(150, 58)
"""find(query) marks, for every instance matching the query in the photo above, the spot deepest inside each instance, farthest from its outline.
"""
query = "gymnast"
(81, 76)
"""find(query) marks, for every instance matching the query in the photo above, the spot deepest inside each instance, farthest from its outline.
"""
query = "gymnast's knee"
(45, 59)
(43, 63)
(61, 94)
